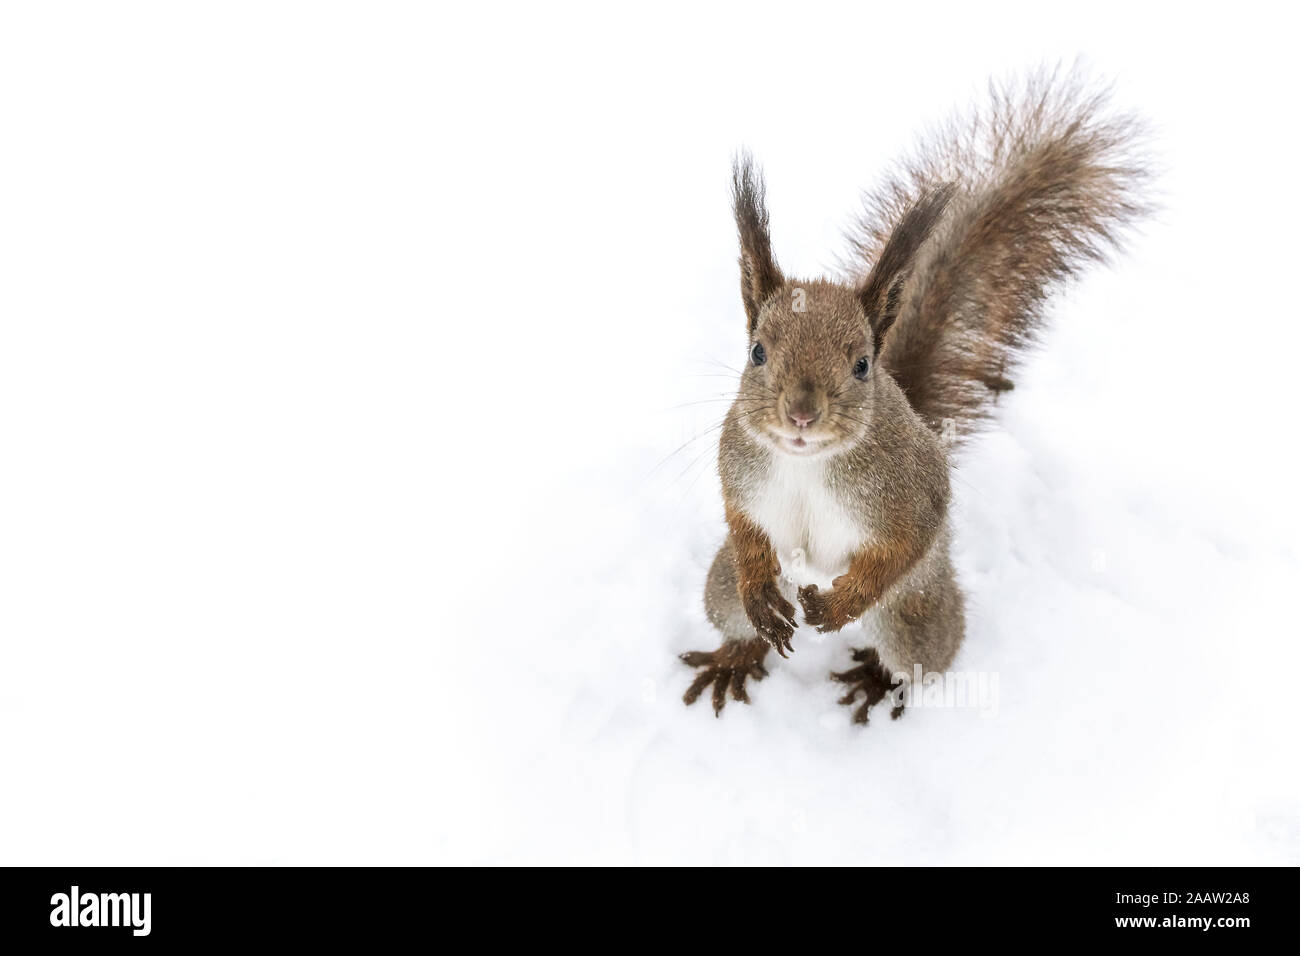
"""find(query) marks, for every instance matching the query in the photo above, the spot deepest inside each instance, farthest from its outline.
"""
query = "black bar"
(887, 905)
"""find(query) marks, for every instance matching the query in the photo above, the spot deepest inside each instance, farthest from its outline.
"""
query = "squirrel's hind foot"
(727, 667)
(869, 678)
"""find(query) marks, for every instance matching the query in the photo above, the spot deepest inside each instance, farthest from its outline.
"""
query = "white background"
(340, 348)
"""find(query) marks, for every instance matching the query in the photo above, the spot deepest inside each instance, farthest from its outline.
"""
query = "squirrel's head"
(811, 372)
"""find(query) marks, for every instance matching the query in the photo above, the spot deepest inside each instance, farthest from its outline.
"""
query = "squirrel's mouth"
(795, 442)
(801, 444)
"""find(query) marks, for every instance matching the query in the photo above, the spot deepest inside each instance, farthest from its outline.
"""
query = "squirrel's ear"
(881, 293)
(759, 275)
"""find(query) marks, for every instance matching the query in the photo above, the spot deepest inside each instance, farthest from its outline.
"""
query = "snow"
(343, 518)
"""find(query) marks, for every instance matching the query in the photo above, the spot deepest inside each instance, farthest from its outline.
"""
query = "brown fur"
(1042, 183)
(881, 291)
(757, 568)
(829, 456)
(759, 274)
(871, 572)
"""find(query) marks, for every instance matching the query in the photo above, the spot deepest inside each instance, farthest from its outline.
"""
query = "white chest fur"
(812, 532)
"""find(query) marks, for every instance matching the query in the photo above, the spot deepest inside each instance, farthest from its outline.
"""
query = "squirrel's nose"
(802, 418)
(802, 406)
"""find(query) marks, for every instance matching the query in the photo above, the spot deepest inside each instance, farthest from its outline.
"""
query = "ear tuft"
(760, 277)
(881, 293)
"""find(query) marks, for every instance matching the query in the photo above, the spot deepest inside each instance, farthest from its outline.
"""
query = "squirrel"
(834, 456)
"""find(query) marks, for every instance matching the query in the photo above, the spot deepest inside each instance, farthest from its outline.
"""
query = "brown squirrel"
(834, 454)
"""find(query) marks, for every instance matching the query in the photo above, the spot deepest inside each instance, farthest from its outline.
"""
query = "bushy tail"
(1045, 184)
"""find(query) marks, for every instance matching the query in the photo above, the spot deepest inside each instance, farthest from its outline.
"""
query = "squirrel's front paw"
(829, 610)
(771, 614)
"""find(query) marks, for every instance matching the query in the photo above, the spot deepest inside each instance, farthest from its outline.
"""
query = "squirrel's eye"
(860, 369)
(758, 355)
